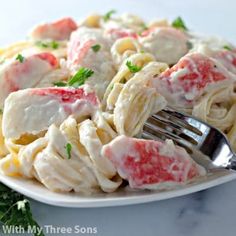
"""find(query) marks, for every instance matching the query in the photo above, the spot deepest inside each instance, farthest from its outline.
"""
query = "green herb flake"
(140, 33)
(189, 45)
(80, 77)
(54, 44)
(1, 111)
(227, 47)
(133, 68)
(108, 15)
(68, 150)
(60, 84)
(20, 58)
(178, 23)
(47, 44)
(111, 88)
(41, 44)
(96, 47)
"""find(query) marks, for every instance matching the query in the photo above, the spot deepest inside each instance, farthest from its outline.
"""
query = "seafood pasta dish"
(74, 98)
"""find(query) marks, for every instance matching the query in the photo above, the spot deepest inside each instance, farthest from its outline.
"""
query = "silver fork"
(199, 138)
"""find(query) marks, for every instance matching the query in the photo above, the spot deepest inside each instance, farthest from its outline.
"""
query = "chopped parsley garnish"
(112, 87)
(15, 210)
(108, 15)
(227, 47)
(1, 111)
(80, 77)
(178, 23)
(68, 150)
(77, 80)
(54, 44)
(96, 47)
(60, 84)
(41, 44)
(133, 68)
(48, 44)
(189, 45)
(20, 58)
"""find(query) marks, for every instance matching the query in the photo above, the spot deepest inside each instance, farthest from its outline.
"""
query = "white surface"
(207, 213)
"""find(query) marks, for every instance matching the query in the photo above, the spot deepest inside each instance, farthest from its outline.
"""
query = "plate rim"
(117, 201)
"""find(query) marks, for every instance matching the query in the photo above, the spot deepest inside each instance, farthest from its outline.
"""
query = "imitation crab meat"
(16, 75)
(186, 81)
(82, 54)
(166, 43)
(118, 33)
(149, 164)
(227, 58)
(31, 111)
(58, 30)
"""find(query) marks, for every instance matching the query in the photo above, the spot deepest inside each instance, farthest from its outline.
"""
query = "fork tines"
(168, 124)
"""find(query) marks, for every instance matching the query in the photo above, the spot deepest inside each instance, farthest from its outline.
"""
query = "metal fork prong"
(212, 145)
(147, 135)
(167, 134)
(164, 120)
(189, 134)
(185, 120)
(180, 131)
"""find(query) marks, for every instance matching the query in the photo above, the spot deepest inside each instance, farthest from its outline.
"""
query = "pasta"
(139, 99)
(124, 74)
(75, 97)
(219, 109)
(123, 48)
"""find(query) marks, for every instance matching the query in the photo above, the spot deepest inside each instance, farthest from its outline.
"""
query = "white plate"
(124, 196)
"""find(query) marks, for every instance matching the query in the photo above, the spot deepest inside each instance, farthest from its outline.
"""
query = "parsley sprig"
(227, 47)
(15, 209)
(189, 45)
(20, 58)
(108, 15)
(133, 68)
(68, 150)
(48, 44)
(78, 79)
(60, 84)
(96, 47)
(178, 23)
